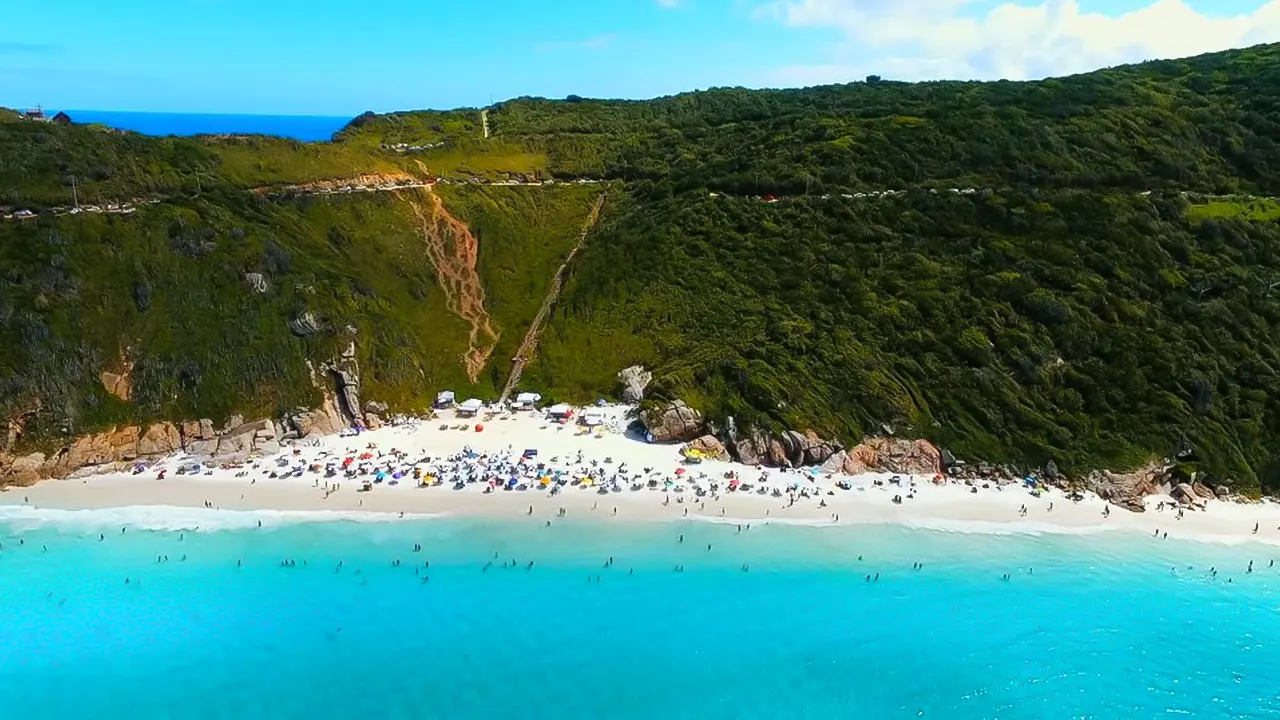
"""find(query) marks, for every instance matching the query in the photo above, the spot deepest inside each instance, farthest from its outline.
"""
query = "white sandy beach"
(950, 507)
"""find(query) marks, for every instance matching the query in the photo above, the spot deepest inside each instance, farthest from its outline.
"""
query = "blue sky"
(342, 57)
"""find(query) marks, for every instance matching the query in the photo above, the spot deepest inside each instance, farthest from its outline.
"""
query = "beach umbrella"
(680, 471)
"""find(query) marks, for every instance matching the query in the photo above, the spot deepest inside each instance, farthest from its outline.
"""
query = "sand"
(953, 507)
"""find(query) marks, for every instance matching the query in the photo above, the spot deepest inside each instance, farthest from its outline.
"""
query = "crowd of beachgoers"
(532, 463)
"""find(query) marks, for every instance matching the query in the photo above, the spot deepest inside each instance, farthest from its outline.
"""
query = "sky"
(337, 57)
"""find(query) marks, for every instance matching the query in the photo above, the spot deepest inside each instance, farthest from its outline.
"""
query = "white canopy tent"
(445, 398)
(592, 418)
(471, 407)
(528, 400)
(560, 411)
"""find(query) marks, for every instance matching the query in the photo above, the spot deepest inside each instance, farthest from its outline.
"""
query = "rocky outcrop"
(803, 450)
(344, 373)
(305, 324)
(909, 457)
(118, 449)
(324, 420)
(160, 439)
(885, 454)
(759, 448)
(673, 422)
(257, 283)
(375, 407)
(119, 380)
(1128, 490)
(118, 384)
(708, 446)
(635, 380)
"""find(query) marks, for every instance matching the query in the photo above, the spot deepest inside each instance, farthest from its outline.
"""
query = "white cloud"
(933, 39)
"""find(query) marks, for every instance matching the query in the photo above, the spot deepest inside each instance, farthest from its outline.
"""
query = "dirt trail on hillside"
(377, 179)
(530, 343)
(454, 251)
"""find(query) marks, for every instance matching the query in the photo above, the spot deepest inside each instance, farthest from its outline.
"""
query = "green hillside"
(1084, 270)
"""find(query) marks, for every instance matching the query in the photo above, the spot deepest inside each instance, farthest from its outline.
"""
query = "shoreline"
(204, 500)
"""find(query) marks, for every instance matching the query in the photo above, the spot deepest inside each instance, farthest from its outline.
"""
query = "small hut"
(469, 408)
(445, 399)
(560, 412)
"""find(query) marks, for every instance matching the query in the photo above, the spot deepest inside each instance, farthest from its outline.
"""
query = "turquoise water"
(1103, 627)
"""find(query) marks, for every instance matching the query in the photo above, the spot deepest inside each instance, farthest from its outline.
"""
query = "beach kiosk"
(560, 412)
(444, 399)
(469, 408)
(527, 401)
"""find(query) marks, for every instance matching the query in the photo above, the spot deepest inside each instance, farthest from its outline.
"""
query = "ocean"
(770, 622)
(307, 128)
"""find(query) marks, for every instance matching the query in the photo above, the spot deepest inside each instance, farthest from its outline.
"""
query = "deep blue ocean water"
(1100, 627)
(299, 127)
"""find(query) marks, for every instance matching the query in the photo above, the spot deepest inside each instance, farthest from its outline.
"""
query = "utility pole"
(75, 196)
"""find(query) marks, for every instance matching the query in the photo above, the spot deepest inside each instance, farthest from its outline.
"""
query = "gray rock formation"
(257, 283)
(635, 380)
(807, 449)
(305, 324)
(374, 407)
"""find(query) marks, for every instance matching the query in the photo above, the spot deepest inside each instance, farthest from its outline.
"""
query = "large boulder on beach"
(159, 439)
(806, 449)
(907, 457)
(672, 422)
(22, 470)
(235, 447)
(761, 448)
(1185, 494)
(324, 420)
(1128, 490)
(709, 446)
(635, 380)
(203, 448)
(855, 461)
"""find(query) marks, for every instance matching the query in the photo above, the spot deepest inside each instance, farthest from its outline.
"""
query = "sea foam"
(172, 518)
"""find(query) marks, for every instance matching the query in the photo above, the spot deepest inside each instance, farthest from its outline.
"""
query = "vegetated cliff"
(1074, 270)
